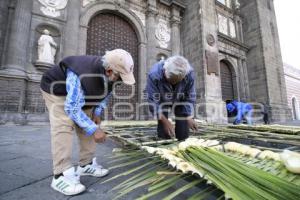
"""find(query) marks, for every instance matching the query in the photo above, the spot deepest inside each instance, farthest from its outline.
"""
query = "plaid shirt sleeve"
(74, 103)
(102, 105)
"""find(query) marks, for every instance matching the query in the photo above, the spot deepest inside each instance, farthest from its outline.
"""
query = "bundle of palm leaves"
(290, 130)
(240, 172)
(237, 179)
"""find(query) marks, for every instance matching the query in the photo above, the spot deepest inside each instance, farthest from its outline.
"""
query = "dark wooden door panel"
(226, 82)
(107, 32)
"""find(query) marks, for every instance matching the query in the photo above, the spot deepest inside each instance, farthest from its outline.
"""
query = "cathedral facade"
(233, 46)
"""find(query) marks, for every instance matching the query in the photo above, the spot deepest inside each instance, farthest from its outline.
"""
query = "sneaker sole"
(67, 194)
(85, 174)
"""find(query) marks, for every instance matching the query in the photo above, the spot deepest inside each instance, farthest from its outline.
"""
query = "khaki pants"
(62, 130)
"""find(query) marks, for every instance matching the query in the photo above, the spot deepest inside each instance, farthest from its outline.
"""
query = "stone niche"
(55, 34)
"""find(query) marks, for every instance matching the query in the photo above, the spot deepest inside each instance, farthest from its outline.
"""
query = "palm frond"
(239, 175)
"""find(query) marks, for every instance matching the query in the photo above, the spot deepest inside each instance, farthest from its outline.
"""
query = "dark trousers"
(181, 125)
(266, 118)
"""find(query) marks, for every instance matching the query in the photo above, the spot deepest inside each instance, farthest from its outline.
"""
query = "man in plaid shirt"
(76, 92)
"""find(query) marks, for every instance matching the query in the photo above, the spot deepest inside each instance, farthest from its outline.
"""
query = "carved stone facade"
(52, 8)
(208, 33)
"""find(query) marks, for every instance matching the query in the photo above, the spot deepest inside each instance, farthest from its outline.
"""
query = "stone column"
(142, 77)
(214, 105)
(3, 25)
(246, 81)
(151, 25)
(19, 36)
(142, 70)
(175, 29)
(71, 33)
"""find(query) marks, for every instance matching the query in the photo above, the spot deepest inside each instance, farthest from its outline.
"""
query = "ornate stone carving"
(163, 34)
(52, 7)
(210, 40)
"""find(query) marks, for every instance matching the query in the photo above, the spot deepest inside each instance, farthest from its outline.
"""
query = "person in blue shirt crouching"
(241, 111)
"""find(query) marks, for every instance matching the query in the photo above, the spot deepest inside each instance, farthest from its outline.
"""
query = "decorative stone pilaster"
(143, 110)
(214, 106)
(245, 79)
(151, 25)
(19, 37)
(175, 30)
(72, 29)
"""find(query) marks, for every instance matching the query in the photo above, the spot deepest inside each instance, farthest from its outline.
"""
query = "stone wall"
(34, 101)
(264, 61)
(3, 25)
(292, 80)
(255, 55)
(192, 44)
(165, 28)
(199, 24)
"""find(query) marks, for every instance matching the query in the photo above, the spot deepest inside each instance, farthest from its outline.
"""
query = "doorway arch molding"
(102, 7)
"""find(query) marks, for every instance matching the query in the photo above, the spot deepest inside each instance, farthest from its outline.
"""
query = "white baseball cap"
(121, 62)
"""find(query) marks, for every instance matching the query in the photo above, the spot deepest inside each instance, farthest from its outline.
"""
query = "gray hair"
(176, 66)
(104, 63)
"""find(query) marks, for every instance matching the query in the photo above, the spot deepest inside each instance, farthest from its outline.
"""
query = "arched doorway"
(295, 107)
(227, 82)
(107, 31)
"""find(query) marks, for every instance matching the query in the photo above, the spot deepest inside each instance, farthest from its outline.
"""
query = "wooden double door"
(107, 31)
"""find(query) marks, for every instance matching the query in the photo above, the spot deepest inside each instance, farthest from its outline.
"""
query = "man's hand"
(192, 124)
(99, 136)
(96, 119)
(168, 127)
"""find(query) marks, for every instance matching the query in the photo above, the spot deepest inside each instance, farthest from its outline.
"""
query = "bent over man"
(170, 85)
(76, 92)
(241, 111)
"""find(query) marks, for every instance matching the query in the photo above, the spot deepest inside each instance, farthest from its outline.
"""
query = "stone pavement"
(26, 166)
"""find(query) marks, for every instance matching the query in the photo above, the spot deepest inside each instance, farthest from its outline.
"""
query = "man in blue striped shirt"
(76, 92)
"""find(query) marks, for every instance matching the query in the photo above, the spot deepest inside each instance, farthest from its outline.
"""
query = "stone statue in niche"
(46, 48)
(51, 7)
(163, 35)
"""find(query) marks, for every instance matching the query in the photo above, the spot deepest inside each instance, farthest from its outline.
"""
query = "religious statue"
(46, 48)
(51, 7)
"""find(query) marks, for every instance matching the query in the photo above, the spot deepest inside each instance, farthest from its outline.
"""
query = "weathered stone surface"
(264, 61)
(25, 170)
(253, 55)
(292, 80)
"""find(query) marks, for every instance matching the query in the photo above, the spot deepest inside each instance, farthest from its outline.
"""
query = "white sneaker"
(92, 170)
(68, 184)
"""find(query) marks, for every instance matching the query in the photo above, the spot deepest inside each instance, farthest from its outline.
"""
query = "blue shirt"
(240, 107)
(75, 100)
(159, 91)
